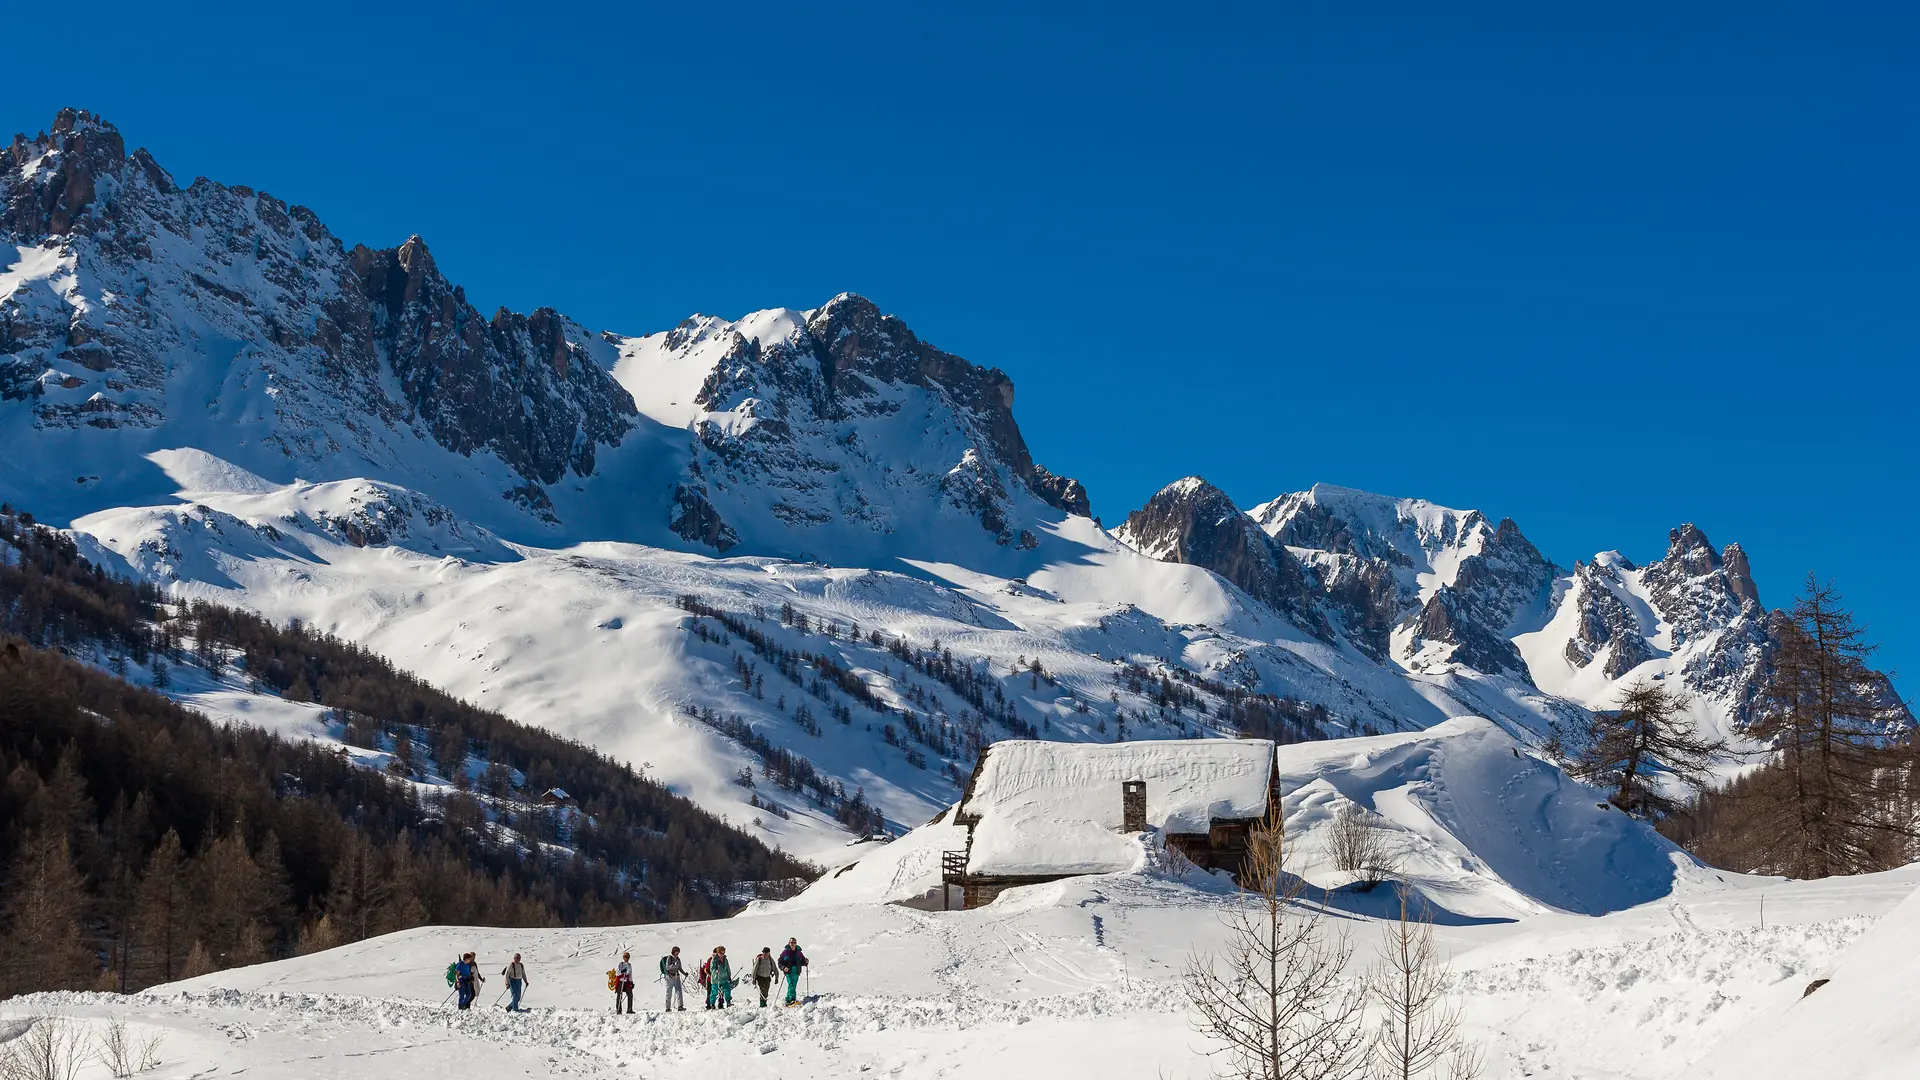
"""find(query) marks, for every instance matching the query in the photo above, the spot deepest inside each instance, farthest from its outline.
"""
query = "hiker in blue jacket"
(791, 961)
(467, 979)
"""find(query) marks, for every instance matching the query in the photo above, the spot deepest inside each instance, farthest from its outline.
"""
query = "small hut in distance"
(1038, 811)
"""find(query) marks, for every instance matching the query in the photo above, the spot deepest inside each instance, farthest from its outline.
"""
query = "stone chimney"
(1133, 806)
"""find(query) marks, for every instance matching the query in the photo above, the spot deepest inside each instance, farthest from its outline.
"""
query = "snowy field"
(1668, 966)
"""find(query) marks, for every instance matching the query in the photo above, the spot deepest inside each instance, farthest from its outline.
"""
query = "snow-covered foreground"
(1074, 978)
(1585, 947)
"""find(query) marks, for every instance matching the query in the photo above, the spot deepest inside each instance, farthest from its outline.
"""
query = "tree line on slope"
(141, 842)
(1837, 790)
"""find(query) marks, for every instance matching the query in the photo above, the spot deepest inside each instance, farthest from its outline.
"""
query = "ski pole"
(448, 998)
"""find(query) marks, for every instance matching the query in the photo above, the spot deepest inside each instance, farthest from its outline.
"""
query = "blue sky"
(1602, 271)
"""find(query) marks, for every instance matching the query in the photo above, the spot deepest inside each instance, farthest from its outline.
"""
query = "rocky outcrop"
(1454, 581)
(1605, 623)
(1713, 617)
(694, 518)
(840, 421)
(137, 284)
(859, 348)
(1191, 521)
(1500, 576)
(520, 386)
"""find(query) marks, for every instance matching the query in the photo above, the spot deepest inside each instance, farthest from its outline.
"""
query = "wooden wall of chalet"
(1224, 846)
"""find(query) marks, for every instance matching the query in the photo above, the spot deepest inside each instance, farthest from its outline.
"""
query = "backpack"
(663, 964)
(452, 972)
(613, 979)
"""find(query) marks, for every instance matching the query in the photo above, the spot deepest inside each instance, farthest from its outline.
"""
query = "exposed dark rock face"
(1366, 598)
(1375, 558)
(1191, 521)
(858, 346)
(694, 518)
(806, 423)
(518, 385)
(1606, 620)
(1705, 602)
(1475, 612)
(271, 308)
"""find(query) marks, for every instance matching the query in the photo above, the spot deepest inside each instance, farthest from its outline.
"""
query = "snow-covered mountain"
(1433, 591)
(796, 533)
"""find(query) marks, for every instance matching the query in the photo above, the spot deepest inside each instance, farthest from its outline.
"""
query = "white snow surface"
(1055, 808)
(1858, 1025)
(1074, 978)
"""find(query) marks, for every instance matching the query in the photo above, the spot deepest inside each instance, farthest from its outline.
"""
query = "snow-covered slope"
(1484, 830)
(1857, 1024)
(1079, 977)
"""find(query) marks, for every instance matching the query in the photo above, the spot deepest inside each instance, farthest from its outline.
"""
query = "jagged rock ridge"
(145, 289)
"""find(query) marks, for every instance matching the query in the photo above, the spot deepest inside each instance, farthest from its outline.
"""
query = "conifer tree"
(232, 897)
(1645, 751)
(41, 914)
(1833, 721)
(163, 916)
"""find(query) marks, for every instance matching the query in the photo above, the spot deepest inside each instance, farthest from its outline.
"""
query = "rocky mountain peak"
(1688, 546)
(64, 170)
(136, 285)
(1739, 575)
(837, 421)
(1192, 521)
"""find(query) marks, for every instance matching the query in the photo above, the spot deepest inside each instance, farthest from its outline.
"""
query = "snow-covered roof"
(1054, 807)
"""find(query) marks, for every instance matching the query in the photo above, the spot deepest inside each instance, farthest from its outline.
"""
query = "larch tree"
(41, 918)
(1275, 1000)
(1645, 752)
(233, 898)
(163, 916)
(1418, 1034)
(1834, 722)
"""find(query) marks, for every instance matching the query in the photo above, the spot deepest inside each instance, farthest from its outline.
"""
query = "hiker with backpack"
(791, 961)
(467, 979)
(716, 974)
(516, 976)
(763, 972)
(623, 982)
(672, 971)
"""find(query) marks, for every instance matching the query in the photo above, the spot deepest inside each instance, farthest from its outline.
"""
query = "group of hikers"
(715, 975)
(465, 978)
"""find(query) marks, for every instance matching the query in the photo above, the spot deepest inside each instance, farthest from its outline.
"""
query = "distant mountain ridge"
(217, 395)
(141, 315)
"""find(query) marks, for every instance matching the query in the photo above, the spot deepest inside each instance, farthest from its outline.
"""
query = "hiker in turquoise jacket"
(791, 961)
(719, 979)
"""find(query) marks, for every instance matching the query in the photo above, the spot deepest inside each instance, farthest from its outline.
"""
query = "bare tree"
(1419, 1029)
(122, 1053)
(114, 1049)
(1644, 748)
(49, 1049)
(1358, 846)
(1275, 998)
